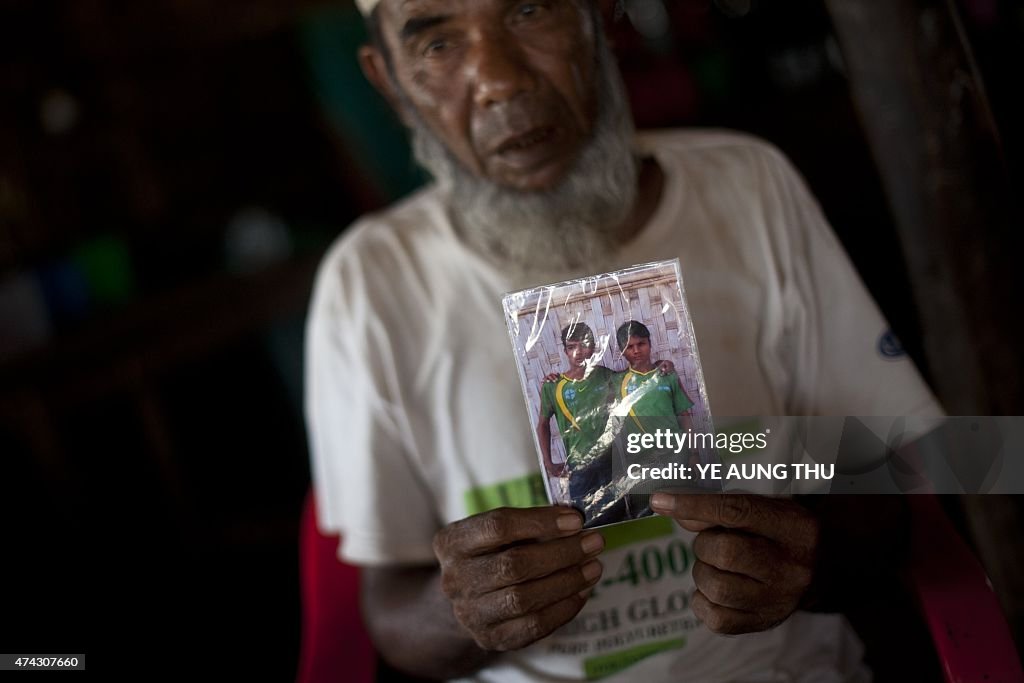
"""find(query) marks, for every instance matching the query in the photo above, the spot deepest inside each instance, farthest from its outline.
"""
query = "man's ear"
(375, 68)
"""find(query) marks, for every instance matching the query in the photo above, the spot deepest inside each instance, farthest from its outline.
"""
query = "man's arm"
(412, 624)
(684, 404)
(505, 579)
(544, 436)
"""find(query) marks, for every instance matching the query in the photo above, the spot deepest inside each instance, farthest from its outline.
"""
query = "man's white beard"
(568, 228)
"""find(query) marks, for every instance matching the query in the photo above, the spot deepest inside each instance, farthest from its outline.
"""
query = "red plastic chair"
(956, 600)
(335, 645)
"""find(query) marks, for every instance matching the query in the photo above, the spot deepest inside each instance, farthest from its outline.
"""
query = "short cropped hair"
(578, 332)
(631, 329)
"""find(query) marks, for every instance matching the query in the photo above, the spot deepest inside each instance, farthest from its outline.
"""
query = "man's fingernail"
(591, 571)
(585, 593)
(570, 521)
(663, 501)
(592, 543)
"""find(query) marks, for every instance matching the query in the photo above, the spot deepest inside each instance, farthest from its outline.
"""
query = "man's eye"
(529, 9)
(435, 47)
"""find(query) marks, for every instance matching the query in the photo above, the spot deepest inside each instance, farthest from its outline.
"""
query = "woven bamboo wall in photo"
(651, 294)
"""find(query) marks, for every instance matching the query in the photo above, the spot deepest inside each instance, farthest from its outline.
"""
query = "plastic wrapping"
(609, 363)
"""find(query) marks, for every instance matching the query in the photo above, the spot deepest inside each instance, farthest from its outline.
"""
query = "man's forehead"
(407, 8)
(404, 8)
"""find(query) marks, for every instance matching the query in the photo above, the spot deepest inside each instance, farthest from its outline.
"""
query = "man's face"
(638, 352)
(508, 87)
(579, 352)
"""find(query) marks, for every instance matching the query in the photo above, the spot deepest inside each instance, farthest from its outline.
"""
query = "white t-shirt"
(416, 418)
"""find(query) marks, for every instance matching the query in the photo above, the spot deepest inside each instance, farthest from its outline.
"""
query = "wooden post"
(932, 135)
(926, 117)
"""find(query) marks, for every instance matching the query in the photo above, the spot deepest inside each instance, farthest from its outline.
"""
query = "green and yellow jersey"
(648, 398)
(580, 407)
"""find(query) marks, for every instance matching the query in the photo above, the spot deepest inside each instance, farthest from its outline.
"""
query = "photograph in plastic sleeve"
(607, 363)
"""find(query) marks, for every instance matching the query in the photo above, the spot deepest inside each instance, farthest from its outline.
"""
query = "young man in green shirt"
(579, 401)
(647, 396)
(647, 401)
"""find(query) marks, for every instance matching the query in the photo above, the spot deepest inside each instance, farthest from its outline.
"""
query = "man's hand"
(755, 556)
(665, 367)
(515, 575)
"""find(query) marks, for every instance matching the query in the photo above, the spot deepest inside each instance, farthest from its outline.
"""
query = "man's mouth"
(525, 141)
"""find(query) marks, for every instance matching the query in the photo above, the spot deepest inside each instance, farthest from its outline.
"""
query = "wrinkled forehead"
(403, 7)
(367, 6)
(399, 9)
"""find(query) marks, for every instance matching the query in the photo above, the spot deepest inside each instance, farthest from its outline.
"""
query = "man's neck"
(650, 183)
(576, 372)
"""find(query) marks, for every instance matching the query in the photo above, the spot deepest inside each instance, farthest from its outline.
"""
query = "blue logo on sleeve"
(889, 346)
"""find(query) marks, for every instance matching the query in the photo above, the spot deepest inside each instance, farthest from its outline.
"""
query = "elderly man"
(422, 451)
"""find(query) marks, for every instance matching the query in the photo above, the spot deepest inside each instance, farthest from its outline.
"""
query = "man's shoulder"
(715, 152)
(380, 240)
(703, 140)
(418, 216)
(738, 175)
(657, 377)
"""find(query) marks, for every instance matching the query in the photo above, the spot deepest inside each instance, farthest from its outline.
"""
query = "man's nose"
(501, 71)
